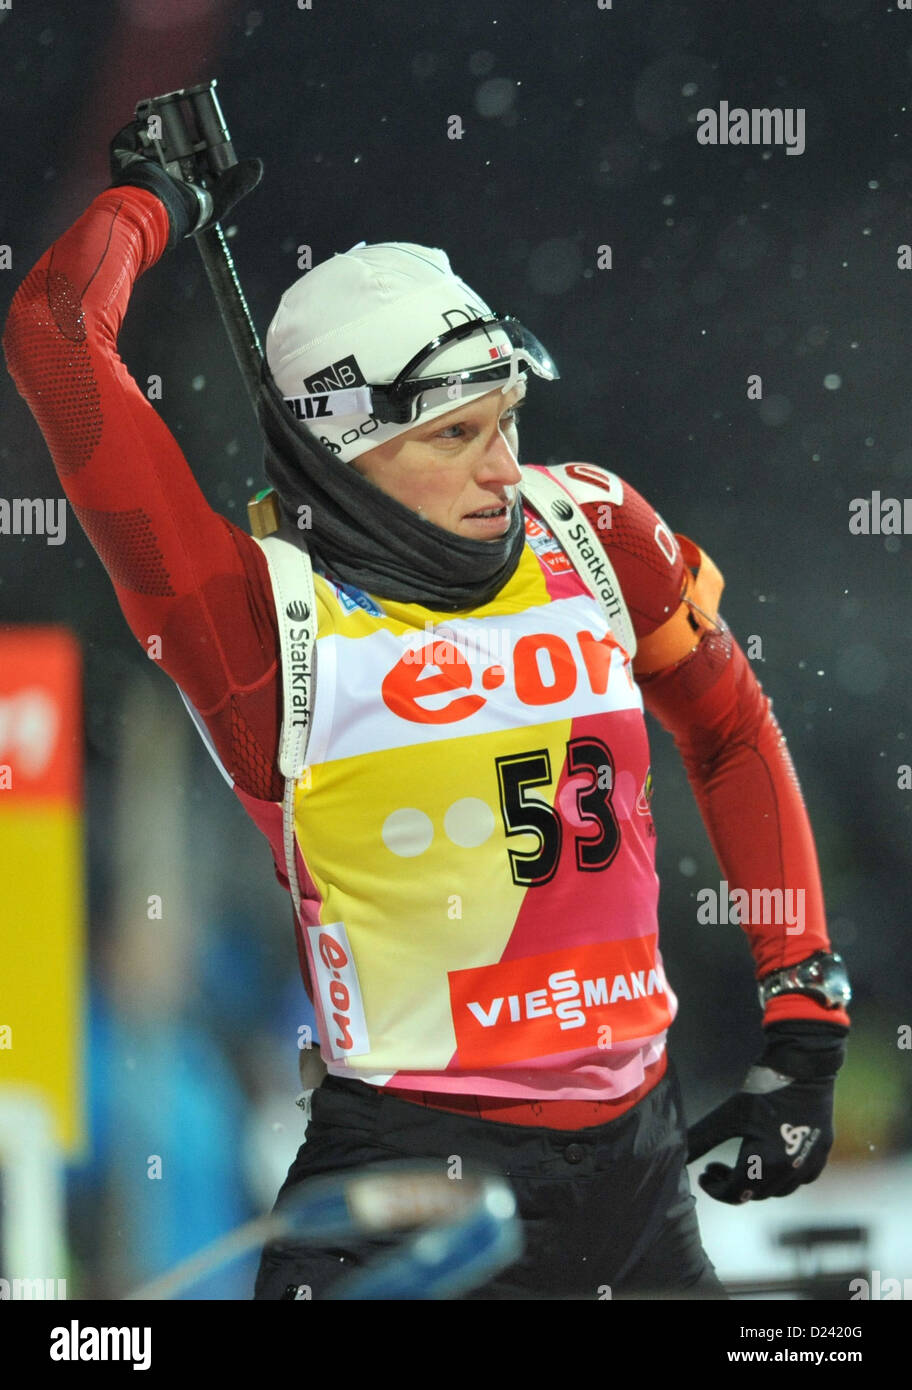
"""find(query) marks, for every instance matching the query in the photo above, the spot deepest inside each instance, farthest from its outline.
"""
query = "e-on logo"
(406, 683)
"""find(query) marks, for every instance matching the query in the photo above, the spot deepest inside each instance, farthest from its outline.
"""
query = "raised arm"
(182, 573)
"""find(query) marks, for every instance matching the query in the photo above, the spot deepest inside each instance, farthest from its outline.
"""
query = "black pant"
(606, 1208)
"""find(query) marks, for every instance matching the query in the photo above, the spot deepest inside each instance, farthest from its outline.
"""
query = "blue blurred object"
(469, 1231)
(165, 1177)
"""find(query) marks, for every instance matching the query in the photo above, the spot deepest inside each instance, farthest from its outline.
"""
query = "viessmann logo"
(583, 997)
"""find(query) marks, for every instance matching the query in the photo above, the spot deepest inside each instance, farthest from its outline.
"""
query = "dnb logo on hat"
(338, 376)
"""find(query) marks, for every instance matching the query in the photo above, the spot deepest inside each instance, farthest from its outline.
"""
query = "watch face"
(823, 978)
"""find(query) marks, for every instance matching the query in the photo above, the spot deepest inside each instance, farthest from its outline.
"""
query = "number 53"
(524, 815)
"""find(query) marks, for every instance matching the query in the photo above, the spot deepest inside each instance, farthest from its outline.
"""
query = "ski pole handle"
(186, 130)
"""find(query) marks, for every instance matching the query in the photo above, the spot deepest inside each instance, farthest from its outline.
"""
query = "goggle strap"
(322, 404)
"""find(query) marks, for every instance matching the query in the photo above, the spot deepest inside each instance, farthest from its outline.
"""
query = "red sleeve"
(182, 573)
(733, 750)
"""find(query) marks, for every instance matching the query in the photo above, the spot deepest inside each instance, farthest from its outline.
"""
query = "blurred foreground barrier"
(468, 1230)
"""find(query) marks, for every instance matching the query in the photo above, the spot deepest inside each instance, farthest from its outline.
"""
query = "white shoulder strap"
(291, 574)
(296, 615)
(566, 519)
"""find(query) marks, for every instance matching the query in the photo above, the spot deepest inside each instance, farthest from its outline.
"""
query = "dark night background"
(579, 131)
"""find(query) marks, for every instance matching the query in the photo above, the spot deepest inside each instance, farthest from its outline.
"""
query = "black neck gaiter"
(361, 536)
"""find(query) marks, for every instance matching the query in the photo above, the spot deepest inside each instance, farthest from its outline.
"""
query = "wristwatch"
(822, 977)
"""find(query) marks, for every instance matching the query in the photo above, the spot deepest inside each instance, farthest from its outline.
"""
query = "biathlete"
(473, 845)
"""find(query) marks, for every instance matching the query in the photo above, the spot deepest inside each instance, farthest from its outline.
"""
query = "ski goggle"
(399, 402)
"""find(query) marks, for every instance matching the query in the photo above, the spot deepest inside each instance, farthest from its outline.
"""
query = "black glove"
(783, 1114)
(190, 206)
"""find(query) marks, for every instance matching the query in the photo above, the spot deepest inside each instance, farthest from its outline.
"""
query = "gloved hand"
(190, 206)
(783, 1115)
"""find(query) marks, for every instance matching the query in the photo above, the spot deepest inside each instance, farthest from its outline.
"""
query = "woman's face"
(455, 465)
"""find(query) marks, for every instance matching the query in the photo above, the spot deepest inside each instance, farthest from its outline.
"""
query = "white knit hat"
(358, 318)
